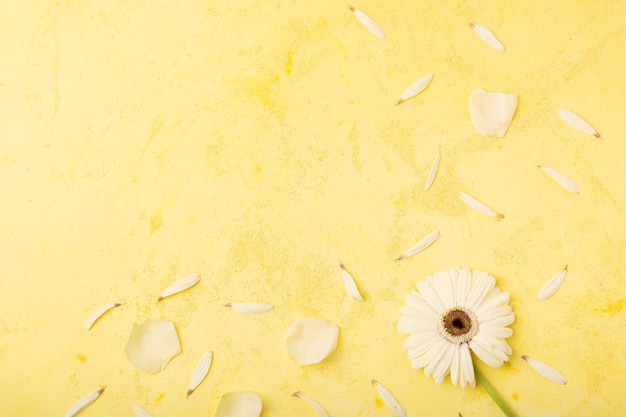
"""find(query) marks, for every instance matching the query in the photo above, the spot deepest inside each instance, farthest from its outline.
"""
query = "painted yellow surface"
(257, 143)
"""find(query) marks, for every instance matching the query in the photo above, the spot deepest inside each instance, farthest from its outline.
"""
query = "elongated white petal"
(389, 399)
(201, 371)
(319, 409)
(433, 171)
(141, 412)
(348, 281)
(180, 285)
(561, 179)
(577, 122)
(421, 245)
(416, 88)
(546, 370)
(552, 285)
(83, 403)
(368, 22)
(98, 313)
(487, 36)
(479, 207)
(250, 308)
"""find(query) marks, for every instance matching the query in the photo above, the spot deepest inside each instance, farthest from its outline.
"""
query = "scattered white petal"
(141, 412)
(416, 88)
(476, 205)
(433, 171)
(83, 403)
(201, 371)
(389, 399)
(239, 404)
(577, 122)
(368, 22)
(98, 313)
(552, 285)
(250, 308)
(152, 344)
(561, 179)
(546, 371)
(420, 246)
(180, 285)
(487, 36)
(492, 113)
(319, 409)
(349, 283)
(311, 340)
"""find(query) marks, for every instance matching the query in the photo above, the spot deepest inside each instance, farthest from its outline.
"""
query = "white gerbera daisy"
(456, 310)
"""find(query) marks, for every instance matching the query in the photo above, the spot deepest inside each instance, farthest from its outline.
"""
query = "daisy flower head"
(451, 312)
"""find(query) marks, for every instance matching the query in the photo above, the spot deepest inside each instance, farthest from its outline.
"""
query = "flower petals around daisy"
(453, 311)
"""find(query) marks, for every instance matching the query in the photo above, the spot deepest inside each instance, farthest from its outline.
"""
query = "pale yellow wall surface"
(257, 144)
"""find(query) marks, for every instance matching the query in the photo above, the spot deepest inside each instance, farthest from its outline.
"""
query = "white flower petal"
(455, 367)
(546, 370)
(389, 399)
(319, 409)
(552, 285)
(152, 344)
(180, 285)
(141, 412)
(240, 404)
(431, 296)
(577, 122)
(311, 340)
(410, 325)
(421, 347)
(368, 23)
(98, 313)
(349, 283)
(490, 305)
(484, 353)
(467, 367)
(425, 242)
(416, 302)
(442, 283)
(479, 206)
(481, 285)
(433, 171)
(561, 179)
(492, 113)
(250, 308)
(415, 88)
(499, 332)
(83, 403)
(464, 284)
(487, 36)
(200, 372)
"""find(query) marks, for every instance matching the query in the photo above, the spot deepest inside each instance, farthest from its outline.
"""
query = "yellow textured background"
(257, 143)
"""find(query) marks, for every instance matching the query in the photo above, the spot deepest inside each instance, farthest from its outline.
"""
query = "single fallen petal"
(311, 340)
(388, 398)
(561, 179)
(416, 88)
(487, 36)
(433, 171)
(98, 313)
(492, 113)
(152, 344)
(476, 205)
(368, 22)
(250, 308)
(577, 122)
(201, 371)
(546, 370)
(319, 409)
(239, 404)
(349, 283)
(83, 403)
(180, 285)
(141, 412)
(421, 245)
(552, 285)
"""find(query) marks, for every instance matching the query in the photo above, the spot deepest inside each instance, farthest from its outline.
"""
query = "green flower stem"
(480, 378)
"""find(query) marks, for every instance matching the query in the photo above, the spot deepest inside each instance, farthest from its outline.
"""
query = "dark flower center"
(459, 325)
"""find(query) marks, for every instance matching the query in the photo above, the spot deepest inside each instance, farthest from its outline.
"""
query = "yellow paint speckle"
(289, 64)
(81, 357)
(159, 398)
(379, 402)
(155, 222)
(515, 396)
(613, 307)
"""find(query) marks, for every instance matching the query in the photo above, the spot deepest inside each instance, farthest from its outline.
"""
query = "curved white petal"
(484, 353)
(431, 296)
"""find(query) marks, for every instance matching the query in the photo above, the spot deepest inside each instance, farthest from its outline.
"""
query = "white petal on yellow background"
(319, 409)
(83, 403)
(239, 404)
(487, 36)
(250, 308)
(311, 340)
(577, 122)
(561, 179)
(152, 344)
(98, 313)
(552, 285)
(200, 372)
(415, 88)
(492, 113)
(425, 242)
(368, 22)
(546, 370)
(478, 206)
(140, 411)
(389, 399)
(350, 284)
(433, 171)
(180, 285)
